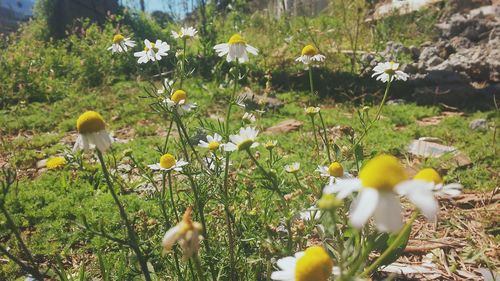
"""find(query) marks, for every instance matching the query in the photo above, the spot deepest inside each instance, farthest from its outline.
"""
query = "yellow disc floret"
(383, 172)
(213, 145)
(390, 70)
(178, 95)
(90, 122)
(246, 144)
(335, 169)
(118, 38)
(153, 47)
(430, 175)
(314, 265)
(236, 39)
(309, 50)
(167, 161)
(311, 110)
(56, 163)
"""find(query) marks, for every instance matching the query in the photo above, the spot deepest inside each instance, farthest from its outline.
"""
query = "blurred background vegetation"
(62, 50)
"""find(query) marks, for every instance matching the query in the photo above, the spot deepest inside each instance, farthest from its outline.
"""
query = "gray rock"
(479, 125)
(433, 61)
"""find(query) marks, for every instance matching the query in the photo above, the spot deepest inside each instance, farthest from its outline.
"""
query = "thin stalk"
(198, 267)
(183, 62)
(227, 212)
(172, 201)
(314, 133)
(31, 270)
(311, 83)
(391, 248)
(168, 135)
(325, 138)
(123, 214)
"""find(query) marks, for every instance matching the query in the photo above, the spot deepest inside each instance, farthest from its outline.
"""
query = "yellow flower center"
(153, 47)
(315, 265)
(236, 39)
(309, 50)
(167, 161)
(90, 122)
(213, 145)
(335, 169)
(390, 71)
(430, 175)
(246, 144)
(178, 95)
(118, 38)
(56, 163)
(383, 172)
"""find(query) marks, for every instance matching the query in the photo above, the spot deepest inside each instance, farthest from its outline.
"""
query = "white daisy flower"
(213, 143)
(334, 171)
(168, 163)
(121, 44)
(152, 51)
(386, 71)
(312, 264)
(235, 49)
(187, 233)
(92, 132)
(185, 32)
(248, 118)
(178, 100)
(292, 168)
(311, 110)
(431, 179)
(246, 139)
(380, 183)
(310, 54)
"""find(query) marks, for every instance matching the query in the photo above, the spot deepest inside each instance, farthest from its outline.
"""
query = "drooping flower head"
(388, 71)
(236, 49)
(310, 54)
(121, 44)
(248, 118)
(92, 132)
(184, 32)
(187, 233)
(314, 264)
(168, 163)
(56, 163)
(246, 139)
(152, 51)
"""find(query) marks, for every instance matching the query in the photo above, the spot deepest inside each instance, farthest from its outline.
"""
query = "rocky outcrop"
(464, 60)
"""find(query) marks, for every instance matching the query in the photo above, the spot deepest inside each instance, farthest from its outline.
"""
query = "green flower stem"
(391, 248)
(183, 131)
(227, 212)
(165, 144)
(325, 138)
(197, 266)
(263, 170)
(377, 115)
(314, 133)
(183, 61)
(172, 201)
(133, 240)
(311, 83)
